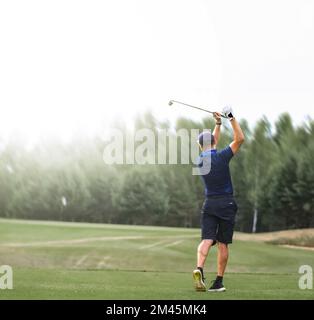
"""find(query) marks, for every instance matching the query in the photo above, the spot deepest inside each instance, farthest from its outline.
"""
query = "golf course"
(63, 260)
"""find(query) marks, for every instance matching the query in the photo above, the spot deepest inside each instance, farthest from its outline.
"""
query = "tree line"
(273, 178)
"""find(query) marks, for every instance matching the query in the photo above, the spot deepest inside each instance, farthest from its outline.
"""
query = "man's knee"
(222, 246)
(206, 243)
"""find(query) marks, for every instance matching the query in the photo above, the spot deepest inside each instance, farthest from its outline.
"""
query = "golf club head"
(170, 103)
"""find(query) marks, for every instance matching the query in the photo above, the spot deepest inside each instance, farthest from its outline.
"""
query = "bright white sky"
(68, 66)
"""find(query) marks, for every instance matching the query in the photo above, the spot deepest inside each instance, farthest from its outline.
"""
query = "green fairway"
(54, 260)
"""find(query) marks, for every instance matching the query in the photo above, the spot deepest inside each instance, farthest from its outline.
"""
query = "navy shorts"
(218, 218)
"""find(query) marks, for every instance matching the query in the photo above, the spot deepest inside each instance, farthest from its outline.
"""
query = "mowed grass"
(53, 260)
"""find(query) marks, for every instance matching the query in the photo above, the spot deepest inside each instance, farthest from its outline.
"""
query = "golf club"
(171, 102)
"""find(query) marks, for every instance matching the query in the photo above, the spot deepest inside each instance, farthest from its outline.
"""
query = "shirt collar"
(207, 152)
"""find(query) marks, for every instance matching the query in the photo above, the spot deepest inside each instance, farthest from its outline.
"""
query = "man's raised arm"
(238, 136)
(216, 132)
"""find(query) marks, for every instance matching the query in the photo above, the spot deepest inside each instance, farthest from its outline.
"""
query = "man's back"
(218, 180)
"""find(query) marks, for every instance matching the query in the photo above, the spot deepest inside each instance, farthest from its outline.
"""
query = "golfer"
(219, 208)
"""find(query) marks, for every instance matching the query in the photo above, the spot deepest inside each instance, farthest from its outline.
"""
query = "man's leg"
(209, 229)
(222, 258)
(198, 273)
(227, 212)
(209, 225)
(202, 252)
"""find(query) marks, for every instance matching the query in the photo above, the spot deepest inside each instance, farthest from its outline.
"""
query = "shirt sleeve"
(226, 154)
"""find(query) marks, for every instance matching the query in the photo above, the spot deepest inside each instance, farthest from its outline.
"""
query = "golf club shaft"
(189, 105)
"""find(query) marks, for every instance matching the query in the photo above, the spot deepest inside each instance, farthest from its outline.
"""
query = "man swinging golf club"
(219, 208)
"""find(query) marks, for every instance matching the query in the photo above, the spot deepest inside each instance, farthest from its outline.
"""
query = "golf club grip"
(198, 108)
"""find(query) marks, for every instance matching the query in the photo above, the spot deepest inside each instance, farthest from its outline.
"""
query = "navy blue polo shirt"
(218, 180)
